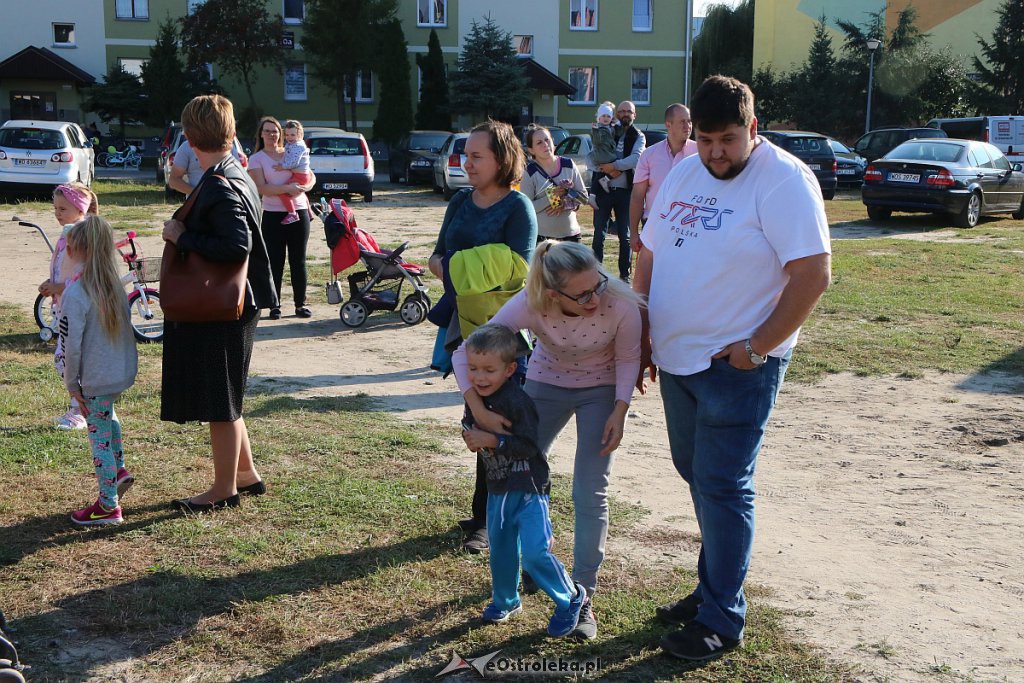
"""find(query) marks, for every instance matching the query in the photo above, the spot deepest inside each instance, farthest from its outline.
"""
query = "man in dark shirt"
(518, 484)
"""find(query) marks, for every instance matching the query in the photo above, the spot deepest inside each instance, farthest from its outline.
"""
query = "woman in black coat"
(206, 365)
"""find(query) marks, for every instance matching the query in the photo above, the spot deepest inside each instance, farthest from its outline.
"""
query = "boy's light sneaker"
(493, 615)
(290, 218)
(71, 421)
(124, 481)
(96, 515)
(564, 621)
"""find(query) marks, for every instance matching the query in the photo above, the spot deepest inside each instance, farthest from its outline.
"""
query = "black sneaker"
(586, 627)
(275, 313)
(680, 612)
(468, 524)
(529, 585)
(476, 541)
(697, 643)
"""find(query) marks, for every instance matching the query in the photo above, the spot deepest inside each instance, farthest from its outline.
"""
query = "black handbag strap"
(185, 209)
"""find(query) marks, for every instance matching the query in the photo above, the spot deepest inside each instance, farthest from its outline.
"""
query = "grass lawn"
(349, 571)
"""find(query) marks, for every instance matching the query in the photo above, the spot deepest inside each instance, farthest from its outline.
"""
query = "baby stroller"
(379, 287)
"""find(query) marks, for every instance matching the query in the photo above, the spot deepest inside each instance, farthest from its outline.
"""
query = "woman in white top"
(282, 240)
(555, 186)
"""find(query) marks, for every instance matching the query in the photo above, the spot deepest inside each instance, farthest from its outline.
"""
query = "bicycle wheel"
(147, 316)
(44, 312)
(103, 159)
(133, 162)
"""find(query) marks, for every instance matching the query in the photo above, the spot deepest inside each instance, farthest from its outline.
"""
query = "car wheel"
(877, 213)
(1019, 213)
(170, 194)
(828, 195)
(971, 213)
(393, 176)
(408, 177)
(368, 196)
(447, 191)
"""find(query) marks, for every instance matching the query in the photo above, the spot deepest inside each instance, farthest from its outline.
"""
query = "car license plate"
(335, 186)
(29, 162)
(814, 167)
(905, 177)
(846, 171)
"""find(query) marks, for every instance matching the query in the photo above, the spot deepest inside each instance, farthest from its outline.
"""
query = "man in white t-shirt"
(654, 165)
(735, 256)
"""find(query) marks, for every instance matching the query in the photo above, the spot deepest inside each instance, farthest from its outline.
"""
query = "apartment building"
(577, 54)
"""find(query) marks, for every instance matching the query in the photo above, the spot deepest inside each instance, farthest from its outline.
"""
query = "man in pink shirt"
(655, 163)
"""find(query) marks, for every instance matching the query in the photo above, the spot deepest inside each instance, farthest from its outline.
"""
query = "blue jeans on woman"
(716, 421)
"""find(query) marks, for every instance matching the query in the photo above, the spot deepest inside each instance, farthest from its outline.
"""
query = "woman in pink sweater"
(584, 363)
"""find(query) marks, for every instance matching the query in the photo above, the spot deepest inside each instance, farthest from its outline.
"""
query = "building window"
(584, 80)
(63, 35)
(640, 86)
(431, 12)
(523, 45)
(132, 66)
(131, 9)
(583, 15)
(295, 82)
(643, 13)
(294, 11)
(364, 86)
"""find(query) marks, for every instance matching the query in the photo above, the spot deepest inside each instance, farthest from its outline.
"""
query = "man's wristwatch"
(755, 358)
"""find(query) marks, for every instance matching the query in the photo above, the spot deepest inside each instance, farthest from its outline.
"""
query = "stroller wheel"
(354, 313)
(413, 310)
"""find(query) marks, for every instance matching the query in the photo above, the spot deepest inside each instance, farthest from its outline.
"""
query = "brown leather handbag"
(194, 289)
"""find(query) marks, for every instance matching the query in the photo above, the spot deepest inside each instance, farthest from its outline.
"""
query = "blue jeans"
(716, 421)
(618, 201)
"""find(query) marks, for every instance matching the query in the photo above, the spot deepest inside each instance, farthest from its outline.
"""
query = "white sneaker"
(71, 421)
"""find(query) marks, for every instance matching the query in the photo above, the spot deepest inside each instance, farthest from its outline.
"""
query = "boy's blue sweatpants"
(518, 523)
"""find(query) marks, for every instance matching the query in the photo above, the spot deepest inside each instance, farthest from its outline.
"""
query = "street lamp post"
(873, 44)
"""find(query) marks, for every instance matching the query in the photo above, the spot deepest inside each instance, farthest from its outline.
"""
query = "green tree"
(394, 110)
(337, 57)
(1001, 75)
(726, 43)
(490, 80)
(771, 96)
(432, 112)
(814, 86)
(118, 98)
(239, 36)
(164, 80)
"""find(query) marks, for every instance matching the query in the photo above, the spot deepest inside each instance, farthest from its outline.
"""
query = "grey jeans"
(591, 471)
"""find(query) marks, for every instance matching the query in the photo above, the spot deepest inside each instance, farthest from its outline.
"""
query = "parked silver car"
(36, 156)
(577, 148)
(449, 172)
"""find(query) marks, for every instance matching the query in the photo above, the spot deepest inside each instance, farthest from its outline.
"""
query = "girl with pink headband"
(71, 203)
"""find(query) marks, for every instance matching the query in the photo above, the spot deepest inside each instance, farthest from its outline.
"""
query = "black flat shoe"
(275, 313)
(186, 504)
(257, 489)
(303, 312)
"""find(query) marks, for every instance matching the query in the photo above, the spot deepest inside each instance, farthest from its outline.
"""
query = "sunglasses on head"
(585, 297)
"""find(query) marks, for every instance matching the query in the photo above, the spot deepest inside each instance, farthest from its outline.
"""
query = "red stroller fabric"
(345, 253)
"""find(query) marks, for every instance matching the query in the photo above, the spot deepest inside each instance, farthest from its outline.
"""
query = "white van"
(1005, 132)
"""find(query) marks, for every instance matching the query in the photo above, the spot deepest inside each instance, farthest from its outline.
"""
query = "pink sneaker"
(96, 515)
(124, 481)
(290, 218)
(71, 421)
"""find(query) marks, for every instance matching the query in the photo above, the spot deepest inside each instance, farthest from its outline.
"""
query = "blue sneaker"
(493, 615)
(563, 622)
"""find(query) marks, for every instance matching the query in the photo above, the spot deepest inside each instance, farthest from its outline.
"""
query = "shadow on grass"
(26, 537)
(28, 342)
(314, 404)
(128, 193)
(167, 606)
(272, 385)
(1003, 375)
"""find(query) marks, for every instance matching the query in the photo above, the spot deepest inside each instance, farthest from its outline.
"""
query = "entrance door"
(39, 106)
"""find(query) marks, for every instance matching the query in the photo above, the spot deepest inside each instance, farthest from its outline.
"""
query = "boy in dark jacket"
(518, 486)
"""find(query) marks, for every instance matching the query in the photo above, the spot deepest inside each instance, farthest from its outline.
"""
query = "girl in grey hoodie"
(100, 359)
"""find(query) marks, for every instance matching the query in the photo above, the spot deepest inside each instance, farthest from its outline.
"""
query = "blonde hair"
(209, 123)
(555, 262)
(92, 240)
(94, 202)
(259, 133)
(292, 123)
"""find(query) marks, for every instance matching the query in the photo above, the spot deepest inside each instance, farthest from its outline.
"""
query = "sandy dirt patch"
(890, 522)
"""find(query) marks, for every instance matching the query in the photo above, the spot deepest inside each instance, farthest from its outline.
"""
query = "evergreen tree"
(337, 58)
(1001, 75)
(726, 43)
(432, 113)
(490, 82)
(164, 80)
(814, 86)
(118, 98)
(239, 36)
(771, 96)
(394, 110)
